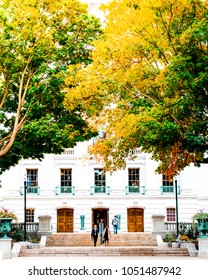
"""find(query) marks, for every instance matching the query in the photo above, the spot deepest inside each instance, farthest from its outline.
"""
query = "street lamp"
(176, 196)
(25, 198)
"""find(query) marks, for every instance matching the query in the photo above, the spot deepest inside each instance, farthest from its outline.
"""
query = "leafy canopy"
(38, 40)
(147, 86)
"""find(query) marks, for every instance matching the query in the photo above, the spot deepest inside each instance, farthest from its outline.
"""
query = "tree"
(38, 40)
(147, 86)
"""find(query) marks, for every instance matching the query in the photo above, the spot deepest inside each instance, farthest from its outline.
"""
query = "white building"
(75, 193)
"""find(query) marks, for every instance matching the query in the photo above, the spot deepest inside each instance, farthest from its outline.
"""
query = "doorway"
(65, 220)
(135, 220)
(98, 214)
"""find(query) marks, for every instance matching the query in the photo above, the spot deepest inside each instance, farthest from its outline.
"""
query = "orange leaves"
(138, 82)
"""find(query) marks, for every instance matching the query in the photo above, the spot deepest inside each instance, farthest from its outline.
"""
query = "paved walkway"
(107, 258)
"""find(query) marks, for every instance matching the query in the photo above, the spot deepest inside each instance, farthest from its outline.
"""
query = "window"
(166, 181)
(99, 183)
(171, 215)
(66, 177)
(167, 185)
(32, 177)
(134, 177)
(30, 215)
(99, 177)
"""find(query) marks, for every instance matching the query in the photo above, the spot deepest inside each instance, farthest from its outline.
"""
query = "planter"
(202, 226)
(5, 227)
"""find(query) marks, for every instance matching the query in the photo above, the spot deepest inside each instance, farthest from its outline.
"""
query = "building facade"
(76, 193)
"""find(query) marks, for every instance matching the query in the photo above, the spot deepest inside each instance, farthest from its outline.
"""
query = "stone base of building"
(6, 248)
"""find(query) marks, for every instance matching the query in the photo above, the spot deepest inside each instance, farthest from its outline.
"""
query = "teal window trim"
(65, 190)
(169, 190)
(100, 190)
(30, 190)
(178, 190)
(135, 190)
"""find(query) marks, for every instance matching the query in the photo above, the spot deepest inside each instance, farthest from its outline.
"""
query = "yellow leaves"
(114, 149)
(131, 66)
(84, 94)
(38, 14)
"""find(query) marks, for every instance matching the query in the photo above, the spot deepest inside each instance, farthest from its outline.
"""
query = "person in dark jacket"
(106, 235)
(94, 234)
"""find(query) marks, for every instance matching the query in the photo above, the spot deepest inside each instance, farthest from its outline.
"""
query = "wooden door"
(65, 220)
(135, 220)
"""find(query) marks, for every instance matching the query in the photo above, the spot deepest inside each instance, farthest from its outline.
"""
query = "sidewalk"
(107, 258)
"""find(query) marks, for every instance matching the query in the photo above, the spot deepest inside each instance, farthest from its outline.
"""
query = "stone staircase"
(104, 251)
(122, 244)
(84, 240)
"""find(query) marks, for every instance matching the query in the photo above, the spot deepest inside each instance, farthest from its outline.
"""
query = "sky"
(94, 7)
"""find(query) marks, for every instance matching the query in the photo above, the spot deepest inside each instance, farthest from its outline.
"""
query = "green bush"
(169, 237)
(16, 234)
(192, 232)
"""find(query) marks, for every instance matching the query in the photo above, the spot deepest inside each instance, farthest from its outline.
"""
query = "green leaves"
(38, 41)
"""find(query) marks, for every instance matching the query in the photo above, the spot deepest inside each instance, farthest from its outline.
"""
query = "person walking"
(106, 235)
(115, 225)
(101, 229)
(94, 235)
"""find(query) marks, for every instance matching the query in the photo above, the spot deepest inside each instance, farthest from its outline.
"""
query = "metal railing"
(169, 189)
(100, 190)
(65, 189)
(30, 190)
(135, 189)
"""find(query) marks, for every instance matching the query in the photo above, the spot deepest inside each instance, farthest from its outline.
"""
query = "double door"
(65, 220)
(135, 220)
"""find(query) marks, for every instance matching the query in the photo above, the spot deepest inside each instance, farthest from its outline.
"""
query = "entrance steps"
(103, 251)
(122, 244)
(84, 239)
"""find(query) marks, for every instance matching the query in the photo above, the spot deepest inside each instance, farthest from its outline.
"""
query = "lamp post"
(176, 196)
(25, 198)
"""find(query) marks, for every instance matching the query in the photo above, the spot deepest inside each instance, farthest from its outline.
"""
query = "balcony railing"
(171, 226)
(30, 227)
(67, 153)
(65, 189)
(135, 190)
(100, 190)
(30, 190)
(169, 189)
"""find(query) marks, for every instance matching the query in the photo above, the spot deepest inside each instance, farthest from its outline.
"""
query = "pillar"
(158, 224)
(6, 248)
(82, 222)
(44, 225)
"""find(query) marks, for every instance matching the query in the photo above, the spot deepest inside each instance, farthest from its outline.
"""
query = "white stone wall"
(192, 182)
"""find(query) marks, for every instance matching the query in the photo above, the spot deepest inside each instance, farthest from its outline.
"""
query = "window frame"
(32, 177)
(134, 179)
(166, 182)
(30, 215)
(65, 182)
(171, 214)
(99, 179)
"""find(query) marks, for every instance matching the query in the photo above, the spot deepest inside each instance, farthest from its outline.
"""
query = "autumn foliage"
(147, 85)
